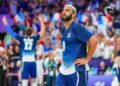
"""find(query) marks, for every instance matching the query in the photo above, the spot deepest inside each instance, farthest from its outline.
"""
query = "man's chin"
(65, 19)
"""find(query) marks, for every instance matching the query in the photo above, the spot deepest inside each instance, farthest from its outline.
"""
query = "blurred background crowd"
(24, 13)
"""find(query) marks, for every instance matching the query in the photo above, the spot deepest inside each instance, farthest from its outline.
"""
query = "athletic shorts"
(118, 52)
(76, 79)
(29, 69)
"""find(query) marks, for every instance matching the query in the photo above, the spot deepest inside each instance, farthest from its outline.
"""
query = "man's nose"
(62, 12)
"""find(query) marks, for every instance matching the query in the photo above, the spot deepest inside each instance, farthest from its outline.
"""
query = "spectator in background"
(14, 56)
(36, 25)
(48, 46)
(17, 51)
(116, 22)
(55, 28)
(3, 66)
(13, 7)
(40, 69)
(1, 43)
(100, 46)
(10, 52)
(57, 53)
(10, 67)
(28, 20)
(109, 44)
(7, 40)
(102, 68)
(93, 70)
(39, 49)
(89, 25)
(115, 4)
(51, 71)
(3, 6)
(57, 39)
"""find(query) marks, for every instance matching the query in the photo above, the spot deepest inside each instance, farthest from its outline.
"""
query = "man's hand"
(42, 31)
(4, 20)
(81, 61)
(40, 18)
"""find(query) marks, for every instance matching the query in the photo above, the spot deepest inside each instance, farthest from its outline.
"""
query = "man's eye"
(67, 10)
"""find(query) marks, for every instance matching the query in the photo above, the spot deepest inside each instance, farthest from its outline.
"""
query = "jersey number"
(28, 44)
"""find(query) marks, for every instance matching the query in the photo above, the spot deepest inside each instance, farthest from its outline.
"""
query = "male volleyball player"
(74, 44)
(27, 50)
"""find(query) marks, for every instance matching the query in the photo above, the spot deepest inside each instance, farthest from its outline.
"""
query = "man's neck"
(68, 23)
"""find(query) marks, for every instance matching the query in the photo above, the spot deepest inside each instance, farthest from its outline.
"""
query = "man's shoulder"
(36, 36)
(76, 25)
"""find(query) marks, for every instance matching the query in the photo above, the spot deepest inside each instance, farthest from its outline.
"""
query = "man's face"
(66, 14)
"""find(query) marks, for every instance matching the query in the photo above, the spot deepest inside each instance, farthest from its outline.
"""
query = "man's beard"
(66, 18)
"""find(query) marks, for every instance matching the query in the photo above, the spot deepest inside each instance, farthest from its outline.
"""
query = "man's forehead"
(67, 7)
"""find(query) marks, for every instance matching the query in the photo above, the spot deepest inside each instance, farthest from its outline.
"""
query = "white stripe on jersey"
(67, 71)
(28, 59)
(77, 83)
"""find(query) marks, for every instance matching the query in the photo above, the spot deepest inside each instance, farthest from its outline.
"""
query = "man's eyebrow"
(66, 9)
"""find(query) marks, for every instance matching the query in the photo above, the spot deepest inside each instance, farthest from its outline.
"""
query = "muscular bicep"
(92, 41)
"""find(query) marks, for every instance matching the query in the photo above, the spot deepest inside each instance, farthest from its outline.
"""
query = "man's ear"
(74, 15)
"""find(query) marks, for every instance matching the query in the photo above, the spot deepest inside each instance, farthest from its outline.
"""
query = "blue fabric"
(80, 17)
(46, 50)
(29, 68)
(118, 75)
(27, 44)
(118, 52)
(71, 80)
(10, 31)
(22, 16)
(100, 20)
(74, 41)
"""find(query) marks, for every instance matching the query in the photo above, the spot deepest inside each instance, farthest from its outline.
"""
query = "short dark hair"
(28, 31)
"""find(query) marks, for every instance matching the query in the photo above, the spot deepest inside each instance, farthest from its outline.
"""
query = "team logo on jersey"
(69, 35)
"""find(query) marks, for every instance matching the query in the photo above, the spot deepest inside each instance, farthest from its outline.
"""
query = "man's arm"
(114, 54)
(8, 28)
(42, 32)
(92, 44)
